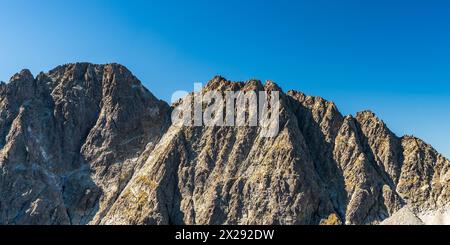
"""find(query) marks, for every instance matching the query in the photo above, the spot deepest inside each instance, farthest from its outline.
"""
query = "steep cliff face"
(88, 144)
(70, 141)
(226, 175)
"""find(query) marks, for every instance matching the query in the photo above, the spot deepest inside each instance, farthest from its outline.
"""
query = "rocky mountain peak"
(24, 74)
(220, 83)
(272, 86)
(87, 71)
(369, 118)
(89, 144)
(74, 121)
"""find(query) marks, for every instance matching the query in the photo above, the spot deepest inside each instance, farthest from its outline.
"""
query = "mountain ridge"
(89, 144)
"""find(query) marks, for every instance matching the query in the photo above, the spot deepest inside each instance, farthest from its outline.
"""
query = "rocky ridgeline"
(88, 144)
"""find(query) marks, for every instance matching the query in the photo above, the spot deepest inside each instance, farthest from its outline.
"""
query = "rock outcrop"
(88, 144)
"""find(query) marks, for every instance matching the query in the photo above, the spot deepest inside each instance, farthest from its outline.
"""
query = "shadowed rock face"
(88, 144)
(70, 140)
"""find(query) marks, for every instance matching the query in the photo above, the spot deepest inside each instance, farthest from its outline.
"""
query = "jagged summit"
(222, 84)
(24, 74)
(272, 86)
(88, 144)
(81, 71)
(85, 65)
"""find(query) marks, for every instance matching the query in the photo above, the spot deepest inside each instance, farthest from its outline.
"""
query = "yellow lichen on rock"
(332, 219)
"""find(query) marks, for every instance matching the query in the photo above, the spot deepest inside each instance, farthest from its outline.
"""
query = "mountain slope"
(88, 144)
(70, 139)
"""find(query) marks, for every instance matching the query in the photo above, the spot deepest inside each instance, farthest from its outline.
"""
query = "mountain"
(88, 144)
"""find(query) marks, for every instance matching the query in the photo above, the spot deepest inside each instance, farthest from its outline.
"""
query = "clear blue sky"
(392, 57)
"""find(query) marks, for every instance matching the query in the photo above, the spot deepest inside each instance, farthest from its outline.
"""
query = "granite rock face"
(88, 144)
(71, 139)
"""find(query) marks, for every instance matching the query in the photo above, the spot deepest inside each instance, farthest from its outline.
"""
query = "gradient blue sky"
(392, 57)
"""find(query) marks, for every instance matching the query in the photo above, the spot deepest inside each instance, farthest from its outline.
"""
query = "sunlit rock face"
(88, 144)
